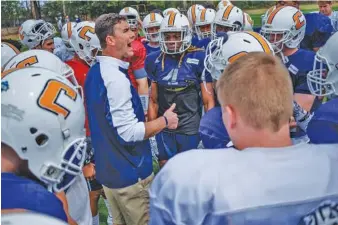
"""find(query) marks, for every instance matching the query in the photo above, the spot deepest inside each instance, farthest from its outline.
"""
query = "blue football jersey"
(318, 31)
(194, 40)
(179, 79)
(150, 49)
(212, 130)
(22, 193)
(203, 43)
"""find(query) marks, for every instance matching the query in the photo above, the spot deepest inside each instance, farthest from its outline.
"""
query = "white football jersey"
(61, 50)
(78, 202)
(290, 185)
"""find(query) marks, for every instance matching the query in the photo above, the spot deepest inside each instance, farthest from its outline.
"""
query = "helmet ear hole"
(33, 130)
(41, 139)
(81, 46)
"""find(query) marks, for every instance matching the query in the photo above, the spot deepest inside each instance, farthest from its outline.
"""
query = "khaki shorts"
(130, 205)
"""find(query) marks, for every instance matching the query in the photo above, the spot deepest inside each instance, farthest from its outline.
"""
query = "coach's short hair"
(259, 87)
(104, 26)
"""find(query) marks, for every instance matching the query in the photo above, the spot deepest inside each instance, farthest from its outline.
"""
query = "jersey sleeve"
(140, 53)
(150, 67)
(205, 76)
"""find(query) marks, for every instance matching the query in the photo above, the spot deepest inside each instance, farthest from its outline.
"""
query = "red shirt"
(80, 72)
(137, 60)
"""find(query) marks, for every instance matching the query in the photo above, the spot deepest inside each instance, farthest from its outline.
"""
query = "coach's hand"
(171, 117)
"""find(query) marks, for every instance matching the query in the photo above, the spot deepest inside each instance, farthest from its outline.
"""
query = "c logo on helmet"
(50, 94)
(299, 20)
(27, 62)
(84, 31)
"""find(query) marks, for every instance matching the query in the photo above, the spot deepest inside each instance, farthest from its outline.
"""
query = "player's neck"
(289, 51)
(264, 138)
(154, 44)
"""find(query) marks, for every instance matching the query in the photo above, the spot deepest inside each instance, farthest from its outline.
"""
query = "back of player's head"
(42, 119)
(257, 86)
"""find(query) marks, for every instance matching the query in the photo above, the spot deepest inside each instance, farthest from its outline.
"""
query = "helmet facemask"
(152, 36)
(132, 21)
(277, 38)
(184, 42)
(203, 34)
(224, 27)
(323, 79)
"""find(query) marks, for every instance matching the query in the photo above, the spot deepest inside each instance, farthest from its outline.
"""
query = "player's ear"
(229, 117)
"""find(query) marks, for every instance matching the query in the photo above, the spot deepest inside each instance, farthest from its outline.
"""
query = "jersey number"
(299, 20)
(83, 32)
(50, 95)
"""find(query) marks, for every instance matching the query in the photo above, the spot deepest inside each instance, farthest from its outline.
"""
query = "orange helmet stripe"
(171, 20)
(12, 47)
(69, 29)
(273, 14)
(193, 13)
(227, 12)
(152, 17)
(203, 12)
(261, 41)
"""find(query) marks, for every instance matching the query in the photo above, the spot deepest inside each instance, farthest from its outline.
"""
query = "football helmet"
(150, 21)
(66, 33)
(173, 23)
(266, 14)
(192, 13)
(43, 59)
(42, 120)
(205, 17)
(132, 16)
(34, 32)
(323, 79)
(284, 26)
(85, 42)
(220, 52)
(230, 18)
(248, 22)
(170, 10)
(7, 52)
(222, 4)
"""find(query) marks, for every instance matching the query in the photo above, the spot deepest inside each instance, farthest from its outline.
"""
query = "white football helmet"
(221, 52)
(248, 22)
(43, 59)
(323, 79)
(66, 33)
(284, 26)
(42, 120)
(205, 17)
(152, 20)
(7, 52)
(85, 42)
(222, 4)
(192, 13)
(34, 32)
(132, 16)
(167, 11)
(173, 23)
(29, 218)
(267, 13)
(230, 18)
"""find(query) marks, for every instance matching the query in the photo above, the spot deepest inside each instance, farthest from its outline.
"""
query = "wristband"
(166, 121)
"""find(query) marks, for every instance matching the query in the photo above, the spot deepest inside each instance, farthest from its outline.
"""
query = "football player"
(192, 13)
(285, 29)
(78, 190)
(203, 23)
(63, 50)
(220, 53)
(136, 71)
(323, 81)
(176, 75)
(325, 8)
(41, 140)
(7, 52)
(240, 186)
(151, 26)
(227, 18)
(37, 34)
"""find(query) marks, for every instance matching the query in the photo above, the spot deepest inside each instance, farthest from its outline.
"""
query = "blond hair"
(259, 87)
